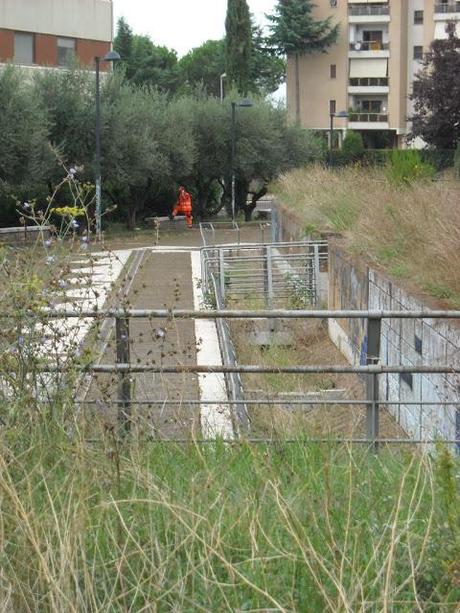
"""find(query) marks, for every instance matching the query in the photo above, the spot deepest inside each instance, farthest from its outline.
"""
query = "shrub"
(353, 147)
(406, 167)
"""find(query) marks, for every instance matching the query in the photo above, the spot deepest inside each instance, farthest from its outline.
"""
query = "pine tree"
(238, 48)
(294, 31)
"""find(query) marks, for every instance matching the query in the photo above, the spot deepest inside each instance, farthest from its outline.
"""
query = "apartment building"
(370, 71)
(55, 33)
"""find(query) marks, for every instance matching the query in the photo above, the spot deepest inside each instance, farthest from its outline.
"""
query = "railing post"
(222, 274)
(317, 279)
(374, 328)
(269, 276)
(124, 379)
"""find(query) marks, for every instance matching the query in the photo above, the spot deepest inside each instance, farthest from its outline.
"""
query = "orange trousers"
(181, 209)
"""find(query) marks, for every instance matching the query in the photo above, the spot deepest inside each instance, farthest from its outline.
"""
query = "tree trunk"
(297, 89)
(131, 222)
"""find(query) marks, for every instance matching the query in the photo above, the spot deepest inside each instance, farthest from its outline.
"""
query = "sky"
(182, 24)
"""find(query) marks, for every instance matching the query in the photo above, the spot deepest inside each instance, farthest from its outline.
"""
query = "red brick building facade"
(55, 34)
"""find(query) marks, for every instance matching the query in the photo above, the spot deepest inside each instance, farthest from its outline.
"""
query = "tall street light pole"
(111, 56)
(340, 115)
(245, 103)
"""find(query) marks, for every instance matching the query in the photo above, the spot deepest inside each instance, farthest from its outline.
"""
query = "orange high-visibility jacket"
(184, 204)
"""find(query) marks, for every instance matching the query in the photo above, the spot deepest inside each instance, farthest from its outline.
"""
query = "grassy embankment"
(412, 231)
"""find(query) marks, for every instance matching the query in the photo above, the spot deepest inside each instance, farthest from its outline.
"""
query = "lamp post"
(339, 115)
(111, 56)
(245, 103)
(222, 77)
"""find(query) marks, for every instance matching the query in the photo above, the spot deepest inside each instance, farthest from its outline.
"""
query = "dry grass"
(413, 232)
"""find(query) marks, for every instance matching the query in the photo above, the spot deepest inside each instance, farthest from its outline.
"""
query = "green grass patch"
(289, 527)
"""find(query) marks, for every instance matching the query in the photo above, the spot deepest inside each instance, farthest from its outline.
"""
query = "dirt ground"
(163, 281)
(183, 237)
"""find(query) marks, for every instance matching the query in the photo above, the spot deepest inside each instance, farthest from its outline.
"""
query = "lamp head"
(112, 56)
(245, 103)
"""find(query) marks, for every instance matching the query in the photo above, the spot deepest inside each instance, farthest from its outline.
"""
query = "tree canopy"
(436, 95)
(152, 142)
(238, 45)
(294, 30)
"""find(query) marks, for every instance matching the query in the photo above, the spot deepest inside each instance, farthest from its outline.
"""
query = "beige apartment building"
(53, 33)
(370, 71)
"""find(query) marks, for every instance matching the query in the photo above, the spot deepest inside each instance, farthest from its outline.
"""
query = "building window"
(418, 52)
(24, 48)
(333, 71)
(332, 107)
(418, 17)
(418, 345)
(371, 106)
(65, 51)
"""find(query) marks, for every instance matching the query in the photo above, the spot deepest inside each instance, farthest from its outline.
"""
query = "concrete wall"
(403, 343)
(85, 19)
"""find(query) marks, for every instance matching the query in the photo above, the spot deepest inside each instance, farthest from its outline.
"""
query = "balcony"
(369, 82)
(447, 7)
(368, 10)
(369, 45)
(359, 117)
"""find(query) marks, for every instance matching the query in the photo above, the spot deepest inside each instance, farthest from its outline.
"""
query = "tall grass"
(411, 230)
(146, 526)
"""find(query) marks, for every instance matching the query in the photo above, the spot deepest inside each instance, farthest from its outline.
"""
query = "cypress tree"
(295, 32)
(123, 43)
(238, 45)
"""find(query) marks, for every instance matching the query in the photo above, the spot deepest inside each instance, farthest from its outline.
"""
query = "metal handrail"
(369, 45)
(369, 10)
(368, 117)
(447, 7)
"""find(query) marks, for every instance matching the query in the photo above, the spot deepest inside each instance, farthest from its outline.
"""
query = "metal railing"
(233, 380)
(447, 7)
(369, 45)
(208, 230)
(272, 271)
(369, 82)
(368, 10)
(368, 117)
(371, 370)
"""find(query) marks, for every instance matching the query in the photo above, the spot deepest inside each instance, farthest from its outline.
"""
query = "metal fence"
(371, 371)
(208, 230)
(272, 271)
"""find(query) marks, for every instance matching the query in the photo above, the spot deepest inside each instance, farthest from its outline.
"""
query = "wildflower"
(50, 259)
(26, 205)
(62, 283)
(48, 243)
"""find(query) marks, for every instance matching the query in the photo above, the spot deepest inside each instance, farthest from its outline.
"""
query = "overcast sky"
(182, 24)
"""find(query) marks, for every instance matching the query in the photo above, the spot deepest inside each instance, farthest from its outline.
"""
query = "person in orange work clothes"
(183, 206)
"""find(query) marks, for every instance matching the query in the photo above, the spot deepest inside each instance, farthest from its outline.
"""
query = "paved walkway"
(170, 406)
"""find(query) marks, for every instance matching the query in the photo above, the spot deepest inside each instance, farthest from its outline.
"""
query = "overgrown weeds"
(409, 229)
(157, 526)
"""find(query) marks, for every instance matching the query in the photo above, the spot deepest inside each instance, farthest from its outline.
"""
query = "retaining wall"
(403, 342)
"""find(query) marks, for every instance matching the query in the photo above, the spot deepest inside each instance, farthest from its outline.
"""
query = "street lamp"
(111, 56)
(339, 115)
(222, 77)
(245, 104)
